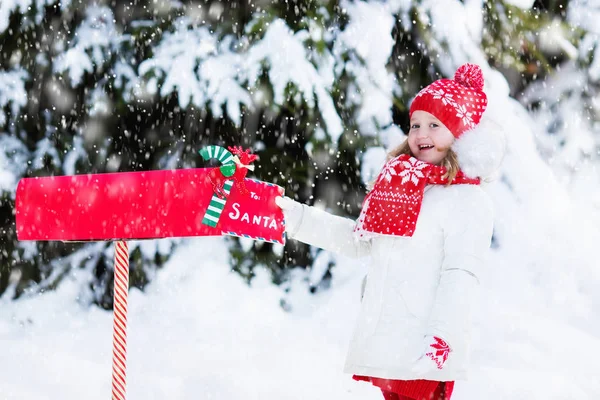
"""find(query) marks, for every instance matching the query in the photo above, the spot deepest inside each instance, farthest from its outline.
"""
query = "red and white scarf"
(393, 206)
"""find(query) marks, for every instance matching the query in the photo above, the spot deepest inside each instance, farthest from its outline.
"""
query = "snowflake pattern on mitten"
(439, 351)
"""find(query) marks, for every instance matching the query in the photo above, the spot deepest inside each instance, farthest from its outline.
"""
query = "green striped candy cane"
(217, 204)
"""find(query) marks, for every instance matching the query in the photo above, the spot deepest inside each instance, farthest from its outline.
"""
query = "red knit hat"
(458, 103)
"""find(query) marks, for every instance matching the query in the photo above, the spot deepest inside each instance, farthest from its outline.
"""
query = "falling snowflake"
(461, 112)
(413, 170)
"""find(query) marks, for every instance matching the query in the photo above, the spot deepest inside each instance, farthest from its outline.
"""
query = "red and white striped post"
(119, 375)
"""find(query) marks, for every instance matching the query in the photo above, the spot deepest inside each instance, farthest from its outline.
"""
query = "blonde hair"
(450, 162)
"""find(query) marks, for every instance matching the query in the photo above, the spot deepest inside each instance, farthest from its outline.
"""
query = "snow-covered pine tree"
(565, 103)
(120, 86)
(68, 70)
(318, 89)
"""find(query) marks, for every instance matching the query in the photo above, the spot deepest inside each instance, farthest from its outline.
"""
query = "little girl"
(427, 226)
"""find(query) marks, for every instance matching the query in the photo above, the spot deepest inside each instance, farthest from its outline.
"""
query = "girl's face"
(429, 140)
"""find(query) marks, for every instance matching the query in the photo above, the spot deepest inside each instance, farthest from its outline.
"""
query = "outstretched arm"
(316, 227)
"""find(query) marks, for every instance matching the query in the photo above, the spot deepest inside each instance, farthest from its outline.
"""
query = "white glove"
(292, 213)
(434, 356)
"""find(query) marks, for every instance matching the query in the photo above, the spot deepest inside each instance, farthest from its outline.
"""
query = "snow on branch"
(76, 153)
(220, 75)
(453, 31)
(12, 92)
(371, 47)
(586, 16)
(202, 70)
(285, 56)
(45, 148)
(93, 45)
(13, 161)
(9, 7)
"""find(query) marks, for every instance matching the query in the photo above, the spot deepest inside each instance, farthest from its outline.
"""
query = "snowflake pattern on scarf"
(389, 170)
(413, 170)
(393, 206)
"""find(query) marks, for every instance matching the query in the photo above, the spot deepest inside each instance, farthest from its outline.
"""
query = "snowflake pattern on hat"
(462, 113)
(439, 94)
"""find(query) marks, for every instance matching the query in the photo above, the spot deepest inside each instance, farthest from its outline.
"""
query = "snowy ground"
(200, 333)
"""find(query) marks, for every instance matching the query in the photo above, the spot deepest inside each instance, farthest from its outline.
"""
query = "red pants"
(438, 394)
(421, 389)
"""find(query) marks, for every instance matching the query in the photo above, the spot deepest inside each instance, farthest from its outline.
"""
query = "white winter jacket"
(419, 285)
